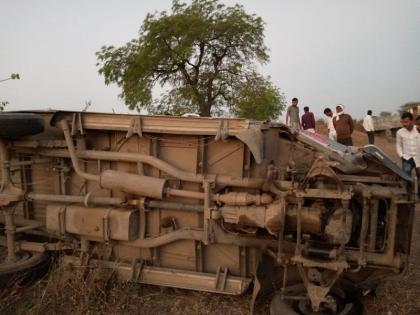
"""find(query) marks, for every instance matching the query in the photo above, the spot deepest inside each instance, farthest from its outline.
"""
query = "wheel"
(29, 266)
(340, 303)
(15, 125)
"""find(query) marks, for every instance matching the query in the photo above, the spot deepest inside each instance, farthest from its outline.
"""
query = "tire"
(16, 125)
(348, 304)
(29, 267)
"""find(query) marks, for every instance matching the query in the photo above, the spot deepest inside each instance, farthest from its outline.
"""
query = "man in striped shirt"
(407, 138)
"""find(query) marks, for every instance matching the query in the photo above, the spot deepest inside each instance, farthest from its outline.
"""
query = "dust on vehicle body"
(209, 204)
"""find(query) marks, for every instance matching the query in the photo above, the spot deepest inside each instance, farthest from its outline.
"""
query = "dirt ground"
(63, 295)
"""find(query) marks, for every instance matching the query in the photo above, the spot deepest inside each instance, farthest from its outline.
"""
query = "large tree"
(202, 55)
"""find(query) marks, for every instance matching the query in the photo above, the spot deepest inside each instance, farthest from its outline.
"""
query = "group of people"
(340, 124)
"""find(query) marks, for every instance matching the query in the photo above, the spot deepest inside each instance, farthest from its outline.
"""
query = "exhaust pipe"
(130, 183)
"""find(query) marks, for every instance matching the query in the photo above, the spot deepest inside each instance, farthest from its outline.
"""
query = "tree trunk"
(205, 110)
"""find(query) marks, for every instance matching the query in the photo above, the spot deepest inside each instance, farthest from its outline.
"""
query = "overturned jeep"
(220, 205)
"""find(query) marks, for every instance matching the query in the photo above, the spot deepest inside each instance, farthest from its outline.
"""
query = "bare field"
(91, 294)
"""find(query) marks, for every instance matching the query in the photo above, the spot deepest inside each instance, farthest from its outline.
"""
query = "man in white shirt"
(368, 126)
(332, 134)
(417, 160)
(407, 138)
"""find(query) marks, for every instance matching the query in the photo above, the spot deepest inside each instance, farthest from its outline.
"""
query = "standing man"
(308, 120)
(369, 128)
(407, 138)
(417, 160)
(332, 134)
(343, 124)
(292, 115)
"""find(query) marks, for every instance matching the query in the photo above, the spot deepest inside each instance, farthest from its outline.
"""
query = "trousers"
(408, 165)
(371, 137)
(345, 141)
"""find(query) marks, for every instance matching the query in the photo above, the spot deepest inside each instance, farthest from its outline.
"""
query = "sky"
(364, 54)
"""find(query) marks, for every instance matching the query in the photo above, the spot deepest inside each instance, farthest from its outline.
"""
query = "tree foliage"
(13, 76)
(258, 98)
(202, 55)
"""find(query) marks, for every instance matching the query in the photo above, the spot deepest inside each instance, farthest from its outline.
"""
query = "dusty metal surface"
(196, 203)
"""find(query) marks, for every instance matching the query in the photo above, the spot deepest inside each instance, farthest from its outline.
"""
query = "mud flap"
(264, 279)
(254, 140)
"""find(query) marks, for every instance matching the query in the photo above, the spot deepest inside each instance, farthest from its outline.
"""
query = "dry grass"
(95, 291)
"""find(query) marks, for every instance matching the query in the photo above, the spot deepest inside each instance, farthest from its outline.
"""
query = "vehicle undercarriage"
(217, 205)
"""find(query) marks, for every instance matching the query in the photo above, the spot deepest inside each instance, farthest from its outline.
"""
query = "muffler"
(145, 186)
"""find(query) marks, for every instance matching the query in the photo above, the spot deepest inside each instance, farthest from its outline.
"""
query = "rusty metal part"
(330, 265)
(231, 198)
(339, 225)
(220, 236)
(110, 201)
(363, 233)
(130, 183)
(36, 246)
(99, 223)
(221, 180)
(4, 160)
(393, 261)
(377, 191)
(220, 128)
(254, 140)
(244, 216)
(323, 194)
(171, 277)
(33, 161)
(168, 238)
(18, 221)
(72, 152)
(174, 205)
(374, 204)
(145, 186)
(271, 217)
(207, 220)
(367, 179)
(29, 227)
(9, 194)
(163, 204)
(10, 230)
(298, 247)
(318, 292)
(322, 168)
(310, 219)
(392, 229)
